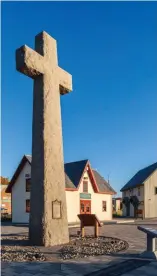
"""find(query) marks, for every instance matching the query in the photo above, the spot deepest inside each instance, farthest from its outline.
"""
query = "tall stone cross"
(48, 212)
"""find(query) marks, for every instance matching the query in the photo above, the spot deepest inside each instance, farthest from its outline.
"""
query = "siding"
(73, 206)
(19, 196)
(96, 201)
(135, 193)
(150, 197)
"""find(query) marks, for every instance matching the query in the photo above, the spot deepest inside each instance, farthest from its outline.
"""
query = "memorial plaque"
(56, 209)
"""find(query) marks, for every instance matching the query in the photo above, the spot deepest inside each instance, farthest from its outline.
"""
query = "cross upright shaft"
(47, 172)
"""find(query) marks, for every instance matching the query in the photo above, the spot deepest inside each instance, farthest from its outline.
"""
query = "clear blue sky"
(110, 48)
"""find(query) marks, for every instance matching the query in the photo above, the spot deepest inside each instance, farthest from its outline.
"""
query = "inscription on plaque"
(56, 209)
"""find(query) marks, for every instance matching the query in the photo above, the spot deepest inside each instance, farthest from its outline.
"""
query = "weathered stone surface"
(47, 175)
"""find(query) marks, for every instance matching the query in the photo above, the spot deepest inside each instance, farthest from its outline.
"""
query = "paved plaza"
(126, 263)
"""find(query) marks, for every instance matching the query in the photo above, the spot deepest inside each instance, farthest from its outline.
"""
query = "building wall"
(19, 196)
(73, 203)
(97, 206)
(5, 199)
(133, 192)
(73, 206)
(150, 196)
(118, 204)
(96, 201)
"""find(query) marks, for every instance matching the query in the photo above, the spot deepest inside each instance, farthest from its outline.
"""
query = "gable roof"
(102, 184)
(73, 175)
(74, 171)
(26, 158)
(140, 177)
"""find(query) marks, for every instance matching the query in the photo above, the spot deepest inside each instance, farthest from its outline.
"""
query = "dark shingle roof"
(140, 177)
(74, 171)
(73, 174)
(102, 184)
(68, 182)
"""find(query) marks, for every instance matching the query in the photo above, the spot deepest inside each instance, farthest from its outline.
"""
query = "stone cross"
(48, 212)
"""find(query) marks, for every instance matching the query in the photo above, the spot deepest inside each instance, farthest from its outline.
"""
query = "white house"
(117, 204)
(86, 191)
(140, 193)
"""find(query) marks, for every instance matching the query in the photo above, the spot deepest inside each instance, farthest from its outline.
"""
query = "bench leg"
(82, 230)
(150, 243)
(96, 229)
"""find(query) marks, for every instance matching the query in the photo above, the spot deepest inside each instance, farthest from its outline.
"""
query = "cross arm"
(65, 81)
(29, 62)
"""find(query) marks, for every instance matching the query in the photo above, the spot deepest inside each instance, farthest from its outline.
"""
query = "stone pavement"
(121, 264)
(146, 270)
(103, 266)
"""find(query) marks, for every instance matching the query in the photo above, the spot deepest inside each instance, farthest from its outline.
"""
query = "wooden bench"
(89, 220)
(151, 240)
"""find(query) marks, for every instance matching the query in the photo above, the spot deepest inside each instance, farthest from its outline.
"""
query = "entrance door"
(85, 206)
(128, 210)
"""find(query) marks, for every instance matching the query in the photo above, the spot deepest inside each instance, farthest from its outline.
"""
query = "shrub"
(5, 217)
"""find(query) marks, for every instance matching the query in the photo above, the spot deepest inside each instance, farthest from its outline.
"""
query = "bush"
(117, 214)
(5, 217)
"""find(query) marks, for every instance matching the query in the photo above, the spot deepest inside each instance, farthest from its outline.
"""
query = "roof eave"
(129, 188)
(107, 193)
(17, 172)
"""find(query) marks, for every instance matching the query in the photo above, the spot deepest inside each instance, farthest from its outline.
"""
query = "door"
(128, 210)
(85, 206)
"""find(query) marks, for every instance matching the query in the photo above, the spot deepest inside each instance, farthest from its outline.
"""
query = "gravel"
(16, 248)
(18, 254)
(88, 246)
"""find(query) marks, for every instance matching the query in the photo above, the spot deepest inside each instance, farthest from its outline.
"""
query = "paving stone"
(135, 238)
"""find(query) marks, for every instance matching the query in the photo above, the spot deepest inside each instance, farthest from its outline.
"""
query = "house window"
(85, 186)
(82, 208)
(104, 206)
(131, 192)
(28, 184)
(27, 205)
(155, 190)
(139, 191)
(27, 175)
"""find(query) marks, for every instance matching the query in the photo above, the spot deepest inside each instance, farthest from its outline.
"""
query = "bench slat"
(149, 231)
